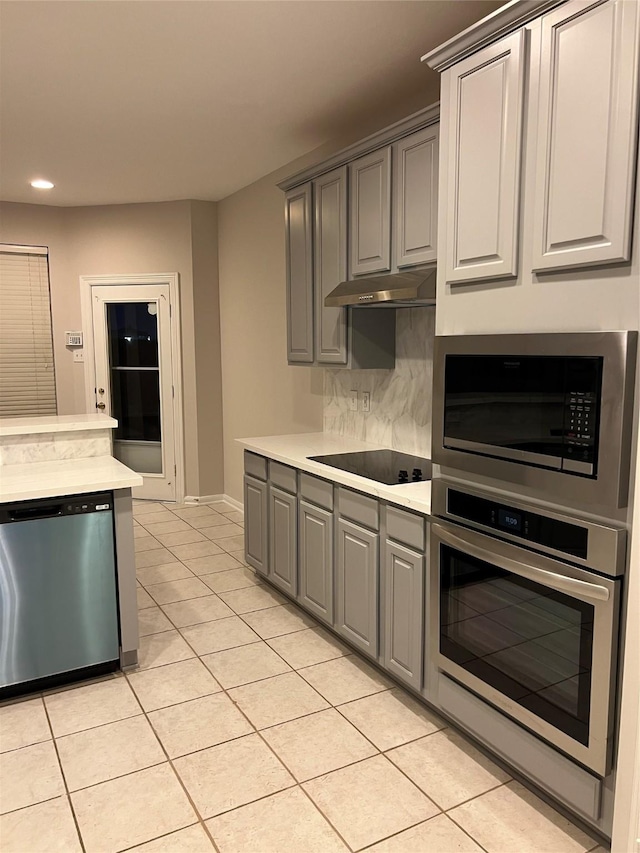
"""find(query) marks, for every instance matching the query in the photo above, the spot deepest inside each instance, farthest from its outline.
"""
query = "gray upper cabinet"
(403, 581)
(415, 194)
(315, 529)
(484, 96)
(299, 262)
(587, 106)
(283, 550)
(330, 264)
(255, 524)
(370, 213)
(357, 586)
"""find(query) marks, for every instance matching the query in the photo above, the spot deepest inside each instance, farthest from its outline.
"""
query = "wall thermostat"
(74, 339)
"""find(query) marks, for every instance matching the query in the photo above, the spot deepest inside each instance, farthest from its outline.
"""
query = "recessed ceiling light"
(42, 185)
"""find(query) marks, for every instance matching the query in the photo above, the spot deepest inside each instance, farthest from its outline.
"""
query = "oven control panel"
(525, 524)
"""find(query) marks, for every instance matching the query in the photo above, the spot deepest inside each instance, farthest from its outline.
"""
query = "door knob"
(100, 390)
(100, 406)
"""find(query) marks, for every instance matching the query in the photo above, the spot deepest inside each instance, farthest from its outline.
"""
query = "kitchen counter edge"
(34, 480)
(293, 450)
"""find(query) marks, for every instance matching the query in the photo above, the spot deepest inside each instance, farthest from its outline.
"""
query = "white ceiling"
(145, 101)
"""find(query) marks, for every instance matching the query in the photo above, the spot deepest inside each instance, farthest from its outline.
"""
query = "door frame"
(87, 282)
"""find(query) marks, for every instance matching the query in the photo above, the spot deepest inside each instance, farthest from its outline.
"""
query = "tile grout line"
(64, 778)
(255, 731)
(164, 835)
(268, 745)
(175, 773)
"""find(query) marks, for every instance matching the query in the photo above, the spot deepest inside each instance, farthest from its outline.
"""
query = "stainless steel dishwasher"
(58, 593)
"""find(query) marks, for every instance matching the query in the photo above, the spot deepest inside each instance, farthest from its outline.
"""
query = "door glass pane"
(132, 329)
(133, 334)
(531, 643)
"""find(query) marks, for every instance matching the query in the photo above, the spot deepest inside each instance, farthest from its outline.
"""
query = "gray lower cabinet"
(357, 586)
(403, 585)
(255, 524)
(283, 540)
(315, 530)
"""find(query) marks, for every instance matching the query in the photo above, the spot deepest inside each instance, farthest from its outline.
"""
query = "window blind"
(27, 376)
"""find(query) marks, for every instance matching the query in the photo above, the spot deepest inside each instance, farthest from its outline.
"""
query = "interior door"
(133, 380)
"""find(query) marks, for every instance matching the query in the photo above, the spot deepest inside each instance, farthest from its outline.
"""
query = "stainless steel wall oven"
(552, 412)
(524, 612)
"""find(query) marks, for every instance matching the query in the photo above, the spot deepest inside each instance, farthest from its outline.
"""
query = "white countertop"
(294, 449)
(55, 423)
(34, 480)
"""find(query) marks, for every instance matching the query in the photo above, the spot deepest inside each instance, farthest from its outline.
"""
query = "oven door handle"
(551, 579)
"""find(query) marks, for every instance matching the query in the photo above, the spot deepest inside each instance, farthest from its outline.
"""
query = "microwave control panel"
(580, 426)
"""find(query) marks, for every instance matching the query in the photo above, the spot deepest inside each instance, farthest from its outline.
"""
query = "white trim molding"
(503, 21)
(416, 121)
(173, 280)
(196, 500)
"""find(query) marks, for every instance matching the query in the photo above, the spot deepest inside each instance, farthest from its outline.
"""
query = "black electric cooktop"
(385, 466)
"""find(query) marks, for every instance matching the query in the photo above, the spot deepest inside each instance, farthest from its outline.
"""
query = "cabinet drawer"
(283, 476)
(359, 508)
(316, 491)
(405, 527)
(255, 465)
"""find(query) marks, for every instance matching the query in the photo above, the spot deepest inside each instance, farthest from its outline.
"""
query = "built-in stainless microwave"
(552, 412)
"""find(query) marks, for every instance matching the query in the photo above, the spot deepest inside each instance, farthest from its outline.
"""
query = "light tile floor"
(248, 729)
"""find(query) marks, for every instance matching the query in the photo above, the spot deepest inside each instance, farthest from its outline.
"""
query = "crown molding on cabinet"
(500, 23)
(416, 121)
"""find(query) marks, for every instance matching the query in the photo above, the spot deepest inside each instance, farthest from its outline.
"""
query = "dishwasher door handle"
(31, 513)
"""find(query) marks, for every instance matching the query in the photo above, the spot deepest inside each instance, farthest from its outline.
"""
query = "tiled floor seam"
(459, 825)
(164, 835)
(317, 807)
(64, 778)
(381, 751)
(176, 774)
(270, 748)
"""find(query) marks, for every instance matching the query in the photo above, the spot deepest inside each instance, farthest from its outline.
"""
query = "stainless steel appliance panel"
(534, 636)
(58, 600)
(605, 544)
(601, 481)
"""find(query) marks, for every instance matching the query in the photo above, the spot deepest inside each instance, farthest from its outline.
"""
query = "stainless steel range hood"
(401, 289)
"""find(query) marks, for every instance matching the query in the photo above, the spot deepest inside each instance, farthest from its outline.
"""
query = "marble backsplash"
(47, 447)
(400, 415)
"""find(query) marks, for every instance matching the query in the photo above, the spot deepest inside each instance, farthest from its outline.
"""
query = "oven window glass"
(531, 643)
(536, 409)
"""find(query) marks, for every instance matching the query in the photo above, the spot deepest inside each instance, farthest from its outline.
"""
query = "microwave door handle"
(562, 583)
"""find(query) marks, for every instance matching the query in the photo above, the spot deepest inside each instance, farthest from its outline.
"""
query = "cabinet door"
(316, 560)
(283, 551)
(299, 260)
(483, 154)
(357, 587)
(255, 524)
(415, 193)
(370, 213)
(330, 264)
(587, 127)
(403, 579)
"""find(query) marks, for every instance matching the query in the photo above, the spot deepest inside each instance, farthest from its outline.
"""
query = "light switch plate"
(78, 355)
(366, 401)
(353, 401)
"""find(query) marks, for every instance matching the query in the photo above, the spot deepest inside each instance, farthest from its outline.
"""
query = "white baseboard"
(209, 499)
